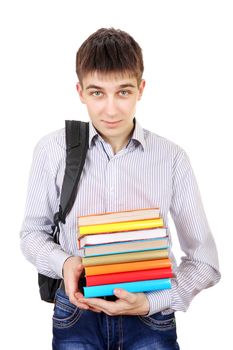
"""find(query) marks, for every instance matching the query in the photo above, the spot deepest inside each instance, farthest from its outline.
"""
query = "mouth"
(111, 123)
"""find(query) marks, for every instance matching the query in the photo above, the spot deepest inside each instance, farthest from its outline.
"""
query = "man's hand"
(72, 270)
(127, 304)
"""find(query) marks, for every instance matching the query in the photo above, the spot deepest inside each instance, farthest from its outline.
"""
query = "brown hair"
(109, 51)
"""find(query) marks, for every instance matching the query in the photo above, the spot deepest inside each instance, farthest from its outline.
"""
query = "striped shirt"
(148, 172)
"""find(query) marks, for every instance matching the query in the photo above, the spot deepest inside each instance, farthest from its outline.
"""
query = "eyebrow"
(122, 86)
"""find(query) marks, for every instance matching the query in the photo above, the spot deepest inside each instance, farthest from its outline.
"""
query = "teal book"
(134, 287)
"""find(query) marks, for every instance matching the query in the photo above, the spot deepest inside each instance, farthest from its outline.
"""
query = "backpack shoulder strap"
(77, 138)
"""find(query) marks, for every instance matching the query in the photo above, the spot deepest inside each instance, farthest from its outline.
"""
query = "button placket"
(111, 184)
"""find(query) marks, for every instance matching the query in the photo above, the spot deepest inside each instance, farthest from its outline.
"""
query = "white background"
(188, 56)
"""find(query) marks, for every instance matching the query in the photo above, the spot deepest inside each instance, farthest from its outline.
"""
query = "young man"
(127, 167)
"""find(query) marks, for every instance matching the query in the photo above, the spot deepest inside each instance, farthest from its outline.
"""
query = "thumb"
(124, 295)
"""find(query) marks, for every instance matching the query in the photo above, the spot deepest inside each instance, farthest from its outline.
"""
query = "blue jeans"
(86, 330)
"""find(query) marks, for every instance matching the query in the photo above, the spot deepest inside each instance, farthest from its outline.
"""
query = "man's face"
(111, 102)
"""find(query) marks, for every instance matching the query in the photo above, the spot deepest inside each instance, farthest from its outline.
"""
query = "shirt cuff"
(158, 301)
(56, 261)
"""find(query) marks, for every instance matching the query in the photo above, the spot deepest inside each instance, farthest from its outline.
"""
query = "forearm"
(199, 267)
(190, 278)
(42, 202)
(40, 249)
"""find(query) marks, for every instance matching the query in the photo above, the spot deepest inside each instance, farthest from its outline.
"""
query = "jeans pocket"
(159, 321)
(65, 314)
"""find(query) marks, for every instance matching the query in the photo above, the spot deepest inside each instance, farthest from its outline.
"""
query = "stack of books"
(127, 249)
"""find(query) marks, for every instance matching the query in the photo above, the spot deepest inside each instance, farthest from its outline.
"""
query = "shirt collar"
(93, 134)
(138, 134)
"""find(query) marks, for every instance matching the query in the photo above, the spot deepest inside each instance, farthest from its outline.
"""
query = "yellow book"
(120, 226)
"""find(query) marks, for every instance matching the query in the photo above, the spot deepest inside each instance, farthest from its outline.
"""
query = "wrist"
(72, 263)
(56, 261)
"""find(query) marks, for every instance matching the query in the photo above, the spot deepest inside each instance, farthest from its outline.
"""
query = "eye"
(96, 93)
(124, 93)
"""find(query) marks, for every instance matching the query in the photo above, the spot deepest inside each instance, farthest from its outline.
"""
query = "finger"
(95, 310)
(78, 304)
(108, 307)
(83, 303)
(82, 306)
(97, 302)
(124, 295)
(78, 295)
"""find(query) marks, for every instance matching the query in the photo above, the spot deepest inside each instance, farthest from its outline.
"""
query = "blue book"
(134, 287)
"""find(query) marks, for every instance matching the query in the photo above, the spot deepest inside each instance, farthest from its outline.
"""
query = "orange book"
(129, 266)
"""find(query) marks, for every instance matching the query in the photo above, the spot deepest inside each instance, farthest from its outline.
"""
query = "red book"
(128, 276)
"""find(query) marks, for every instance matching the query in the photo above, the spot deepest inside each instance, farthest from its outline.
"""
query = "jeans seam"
(60, 323)
(65, 307)
(157, 324)
(120, 333)
(108, 341)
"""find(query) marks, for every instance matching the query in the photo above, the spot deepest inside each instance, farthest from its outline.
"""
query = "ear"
(80, 92)
(141, 88)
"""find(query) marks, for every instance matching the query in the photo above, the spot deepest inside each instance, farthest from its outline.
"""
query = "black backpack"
(77, 137)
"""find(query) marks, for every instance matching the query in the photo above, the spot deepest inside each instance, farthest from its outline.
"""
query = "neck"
(116, 147)
(119, 142)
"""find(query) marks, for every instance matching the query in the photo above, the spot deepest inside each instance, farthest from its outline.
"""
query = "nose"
(111, 107)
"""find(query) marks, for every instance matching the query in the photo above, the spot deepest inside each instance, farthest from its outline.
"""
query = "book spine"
(134, 287)
(128, 276)
(120, 226)
(125, 257)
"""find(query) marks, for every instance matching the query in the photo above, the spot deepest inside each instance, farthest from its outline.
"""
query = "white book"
(126, 247)
(121, 236)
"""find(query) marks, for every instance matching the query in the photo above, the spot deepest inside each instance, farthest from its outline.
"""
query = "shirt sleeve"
(41, 203)
(199, 267)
